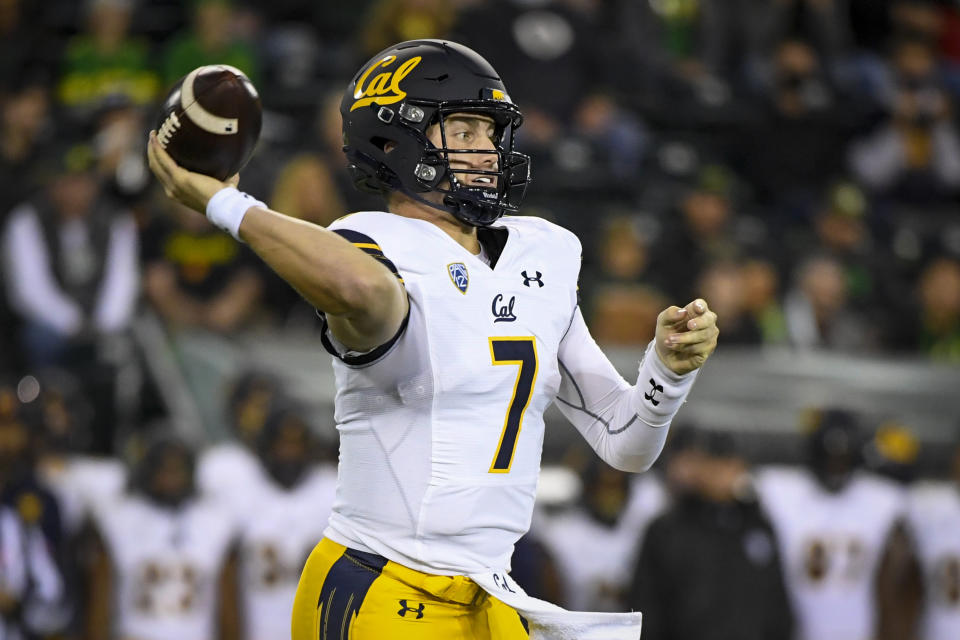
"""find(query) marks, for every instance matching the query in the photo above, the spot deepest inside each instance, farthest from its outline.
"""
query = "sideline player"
(836, 525)
(934, 519)
(452, 330)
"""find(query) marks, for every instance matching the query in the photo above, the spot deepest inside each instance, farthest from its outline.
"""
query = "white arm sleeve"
(626, 425)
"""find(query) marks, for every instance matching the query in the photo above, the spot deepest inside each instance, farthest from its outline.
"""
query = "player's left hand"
(186, 187)
(686, 336)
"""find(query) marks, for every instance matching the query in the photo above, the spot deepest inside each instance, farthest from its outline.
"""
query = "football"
(210, 121)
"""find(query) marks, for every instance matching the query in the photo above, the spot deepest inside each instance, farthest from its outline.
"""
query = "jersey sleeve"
(348, 356)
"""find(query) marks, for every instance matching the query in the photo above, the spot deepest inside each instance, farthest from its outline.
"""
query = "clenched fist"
(686, 336)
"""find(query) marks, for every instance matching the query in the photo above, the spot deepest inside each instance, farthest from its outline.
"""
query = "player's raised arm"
(364, 302)
(627, 424)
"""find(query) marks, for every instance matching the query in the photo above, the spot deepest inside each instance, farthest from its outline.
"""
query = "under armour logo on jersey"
(403, 612)
(503, 312)
(527, 279)
(459, 276)
(654, 388)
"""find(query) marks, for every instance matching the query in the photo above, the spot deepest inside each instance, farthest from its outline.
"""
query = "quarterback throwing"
(452, 328)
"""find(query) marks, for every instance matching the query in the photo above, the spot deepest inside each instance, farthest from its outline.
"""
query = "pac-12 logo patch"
(459, 276)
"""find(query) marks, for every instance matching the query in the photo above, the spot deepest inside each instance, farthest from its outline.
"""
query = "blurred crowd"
(795, 162)
(167, 542)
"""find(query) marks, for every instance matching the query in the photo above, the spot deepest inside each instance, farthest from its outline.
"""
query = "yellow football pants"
(346, 594)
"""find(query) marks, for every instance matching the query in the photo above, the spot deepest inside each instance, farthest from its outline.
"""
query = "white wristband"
(228, 206)
(660, 392)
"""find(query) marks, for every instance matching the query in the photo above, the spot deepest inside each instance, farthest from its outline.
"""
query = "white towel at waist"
(550, 622)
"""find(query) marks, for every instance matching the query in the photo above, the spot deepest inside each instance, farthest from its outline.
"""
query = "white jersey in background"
(226, 471)
(596, 562)
(81, 484)
(831, 545)
(934, 519)
(440, 438)
(167, 566)
(278, 529)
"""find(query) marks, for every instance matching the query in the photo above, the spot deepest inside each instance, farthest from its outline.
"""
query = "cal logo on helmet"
(459, 276)
(384, 88)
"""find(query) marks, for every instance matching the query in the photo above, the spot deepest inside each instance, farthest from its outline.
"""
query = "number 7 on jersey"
(520, 351)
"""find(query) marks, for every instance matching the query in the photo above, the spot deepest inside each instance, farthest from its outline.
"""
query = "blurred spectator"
(164, 567)
(622, 251)
(597, 581)
(823, 23)
(65, 419)
(842, 229)
(761, 299)
(26, 50)
(938, 326)
(118, 142)
(70, 256)
(721, 284)
(392, 21)
(226, 469)
(817, 311)
(547, 51)
(625, 314)
(914, 154)
(795, 144)
(210, 40)
(934, 518)
(702, 230)
(680, 56)
(195, 276)
(78, 480)
(106, 60)
(836, 527)
(711, 553)
(71, 262)
(305, 189)
(33, 598)
(23, 125)
(281, 519)
(24, 130)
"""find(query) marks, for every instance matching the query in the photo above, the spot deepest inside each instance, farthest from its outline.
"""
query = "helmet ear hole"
(384, 144)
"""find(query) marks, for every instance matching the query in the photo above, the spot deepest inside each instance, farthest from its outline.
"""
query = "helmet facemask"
(414, 165)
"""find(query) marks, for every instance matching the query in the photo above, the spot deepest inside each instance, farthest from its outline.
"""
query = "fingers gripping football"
(686, 336)
(191, 189)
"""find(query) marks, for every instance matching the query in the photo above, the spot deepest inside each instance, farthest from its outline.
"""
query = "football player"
(934, 519)
(282, 520)
(164, 568)
(611, 518)
(228, 468)
(835, 524)
(452, 328)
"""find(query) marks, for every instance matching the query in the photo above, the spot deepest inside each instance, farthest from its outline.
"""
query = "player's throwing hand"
(191, 189)
(686, 336)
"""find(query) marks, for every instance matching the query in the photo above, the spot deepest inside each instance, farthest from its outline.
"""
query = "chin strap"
(452, 209)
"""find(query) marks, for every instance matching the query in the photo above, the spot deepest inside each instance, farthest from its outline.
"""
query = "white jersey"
(831, 546)
(597, 562)
(278, 530)
(81, 484)
(441, 436)
(934, 519)
(167, 565)
(226, 471)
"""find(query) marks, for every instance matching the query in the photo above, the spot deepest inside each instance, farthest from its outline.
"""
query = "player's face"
(468, 131)
(171, 481)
